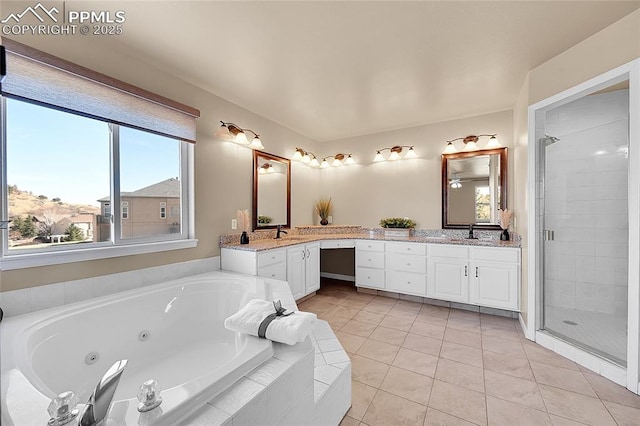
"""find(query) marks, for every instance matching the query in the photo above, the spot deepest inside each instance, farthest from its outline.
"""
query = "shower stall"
(584, 227)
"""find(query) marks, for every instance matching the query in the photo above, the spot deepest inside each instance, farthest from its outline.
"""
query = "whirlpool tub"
(172, 332)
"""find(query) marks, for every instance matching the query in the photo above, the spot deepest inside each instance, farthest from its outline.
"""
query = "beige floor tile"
(458, 401)
(417, 362)
(561, 421)
(383, 300)
(537, 353)
(500, 412)
(460, 374)
(463, 337)
(424, 344)
(397, 323)
(361, 397)
(318, 307)
(509, 323)
(501, 333)
(358, 328)
(624, 415)
(369, 317)
(438, 418)
(335, 322)
(388, 335)
(408, 306)
(368, 371)
(349, 421)
(354, 303)
(377, 308)
(429, 318)
(495, 344)
(464, 315)
(387, 409)
(464, 354)
(464, 325)
(379, 351)
(401, 313)
(427, 329)
(347, 312)
(406, 384)
(575, 406)
(610, 391)
(508, 364)
(562, 378)
(350, 342)
(514, 389)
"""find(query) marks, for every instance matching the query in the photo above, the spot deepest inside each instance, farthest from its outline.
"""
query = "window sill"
(30, 260)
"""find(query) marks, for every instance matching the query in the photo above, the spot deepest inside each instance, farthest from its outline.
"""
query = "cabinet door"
(495, 285)
(312, 268)
(448, 279)
(295, 270)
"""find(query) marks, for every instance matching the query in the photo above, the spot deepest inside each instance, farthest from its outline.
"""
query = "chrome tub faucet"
(95, 411)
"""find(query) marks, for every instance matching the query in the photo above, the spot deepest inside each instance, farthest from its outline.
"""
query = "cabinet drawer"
(370, 245)
(367, 277)
(406, 282)
(370, 259)
(277, 271)
(495, 254)
(270, 257)
(407, 248)
(407, 263)
(332, 244)
(444, 250)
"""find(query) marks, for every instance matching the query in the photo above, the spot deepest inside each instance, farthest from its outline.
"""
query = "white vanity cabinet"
(448, 272)
(406, 268)
(370, 264)
(303, 269)
(267, 263)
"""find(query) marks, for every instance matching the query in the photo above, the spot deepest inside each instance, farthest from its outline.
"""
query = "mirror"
(271, 191)
(474, 187)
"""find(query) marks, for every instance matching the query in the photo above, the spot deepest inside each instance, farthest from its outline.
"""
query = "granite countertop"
(290, 240)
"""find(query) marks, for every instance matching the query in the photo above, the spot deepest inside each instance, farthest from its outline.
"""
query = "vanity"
(476, 272)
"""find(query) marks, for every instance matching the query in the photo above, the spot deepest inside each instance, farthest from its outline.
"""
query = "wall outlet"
(234, 223)
(330, 219)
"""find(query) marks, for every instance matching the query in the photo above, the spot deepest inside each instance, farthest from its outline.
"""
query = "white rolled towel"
(289, 329)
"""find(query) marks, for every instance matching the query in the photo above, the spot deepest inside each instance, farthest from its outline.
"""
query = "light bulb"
(349, 161)
(297, 156)
(314, 162)
(450, 149)
(306, 159)
(394, 156)
(241, 138)
(271, 169)
(262, 171)
(223, 133)
(378, 157)
(324, 164)
(411, 153)
(256, 143)
(493, 143)
(336, 163)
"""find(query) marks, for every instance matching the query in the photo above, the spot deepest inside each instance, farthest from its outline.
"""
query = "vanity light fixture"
(395, 153)
(471, 143)
(455, 182)
(338, 160)
(310, 159)
(267, 168)
(232, 132)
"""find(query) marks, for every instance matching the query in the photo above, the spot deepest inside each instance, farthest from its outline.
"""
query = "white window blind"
(34, 75)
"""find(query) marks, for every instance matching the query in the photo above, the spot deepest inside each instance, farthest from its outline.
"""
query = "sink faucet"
(279, 231)
(100, 400)
(471, 237)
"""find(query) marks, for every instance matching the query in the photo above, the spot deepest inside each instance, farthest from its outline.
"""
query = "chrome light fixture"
(232, 132)
(471, 143)
(395, 153)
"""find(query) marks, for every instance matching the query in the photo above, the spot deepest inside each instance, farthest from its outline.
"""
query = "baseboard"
(525, 329)
(338, 276)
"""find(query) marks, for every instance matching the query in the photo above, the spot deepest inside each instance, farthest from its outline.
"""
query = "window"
(163, 210)
(483, 204)
(74, 143)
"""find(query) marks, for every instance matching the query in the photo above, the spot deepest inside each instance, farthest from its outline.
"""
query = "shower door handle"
(549, 235)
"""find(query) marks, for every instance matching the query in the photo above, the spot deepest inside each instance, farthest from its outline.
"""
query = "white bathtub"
(187, 349)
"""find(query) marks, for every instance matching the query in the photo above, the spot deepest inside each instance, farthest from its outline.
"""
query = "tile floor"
(415, 364)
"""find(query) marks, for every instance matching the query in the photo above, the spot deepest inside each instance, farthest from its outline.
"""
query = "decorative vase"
(504, 236)
(324, 222)
(244, 238)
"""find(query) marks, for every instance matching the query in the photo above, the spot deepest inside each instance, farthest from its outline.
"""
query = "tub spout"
(100, 400)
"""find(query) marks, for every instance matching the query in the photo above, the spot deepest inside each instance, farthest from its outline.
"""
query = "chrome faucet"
(279, 231)
(100, 400)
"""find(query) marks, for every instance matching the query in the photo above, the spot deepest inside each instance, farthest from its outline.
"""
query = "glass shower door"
(586, 223)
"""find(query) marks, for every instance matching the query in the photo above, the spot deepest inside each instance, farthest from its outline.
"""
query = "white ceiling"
(331, 70)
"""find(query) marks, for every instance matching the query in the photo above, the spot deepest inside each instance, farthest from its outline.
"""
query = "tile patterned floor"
(415, 364)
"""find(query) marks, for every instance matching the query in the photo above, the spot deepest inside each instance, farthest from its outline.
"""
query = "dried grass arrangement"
(505, 218)
(244, 220)
(323, 208)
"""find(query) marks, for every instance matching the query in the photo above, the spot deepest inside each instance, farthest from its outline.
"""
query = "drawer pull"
(273, 275)
(368, 278)
(408, 264)
(408, 248)
(465, 271)
(409, 282)
(476, 272)
(369, 260)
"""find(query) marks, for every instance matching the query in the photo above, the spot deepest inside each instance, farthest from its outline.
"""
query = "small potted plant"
(397, 226)
(263, 220)
(323, 209)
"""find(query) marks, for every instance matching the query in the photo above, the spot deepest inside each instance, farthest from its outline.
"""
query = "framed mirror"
(271, 204)
(474, 187)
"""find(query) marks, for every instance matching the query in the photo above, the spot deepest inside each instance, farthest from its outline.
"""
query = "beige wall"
(223, 170)
(367, 192)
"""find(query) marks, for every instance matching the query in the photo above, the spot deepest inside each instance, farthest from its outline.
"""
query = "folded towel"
(289, 329)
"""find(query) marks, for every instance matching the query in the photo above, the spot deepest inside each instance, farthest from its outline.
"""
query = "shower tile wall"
(586, 264)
